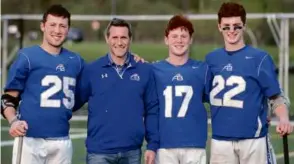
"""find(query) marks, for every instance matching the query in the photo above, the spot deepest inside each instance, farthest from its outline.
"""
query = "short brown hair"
(119, 23)
(179, 21)
(58, 11)
(231, 9)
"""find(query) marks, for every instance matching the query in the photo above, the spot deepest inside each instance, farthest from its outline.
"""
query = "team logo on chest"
(228, 67)
(178, 77)
(135, 77)
(60, 67)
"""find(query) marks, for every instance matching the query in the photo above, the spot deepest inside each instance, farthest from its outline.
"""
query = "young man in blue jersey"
(182, 84)
(244, 79)
(122, 103)
(44, 78)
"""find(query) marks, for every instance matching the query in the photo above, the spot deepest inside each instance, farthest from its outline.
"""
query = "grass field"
(150, 52)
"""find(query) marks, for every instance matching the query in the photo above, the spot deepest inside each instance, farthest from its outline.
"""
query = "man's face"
(118, 40)
(178, 41)
(232, 29)
(55, 30)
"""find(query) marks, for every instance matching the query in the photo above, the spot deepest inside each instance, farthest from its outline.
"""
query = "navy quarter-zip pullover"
(122, 106)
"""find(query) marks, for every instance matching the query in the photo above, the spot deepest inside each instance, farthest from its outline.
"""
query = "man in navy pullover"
(122, 103)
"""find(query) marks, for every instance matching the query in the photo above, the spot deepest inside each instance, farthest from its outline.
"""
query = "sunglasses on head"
(227, 28)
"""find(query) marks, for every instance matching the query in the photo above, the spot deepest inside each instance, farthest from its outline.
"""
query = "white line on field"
(73, 130)
(73, 136)
(279, 156)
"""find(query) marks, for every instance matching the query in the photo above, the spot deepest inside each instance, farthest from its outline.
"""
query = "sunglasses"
(227, 28)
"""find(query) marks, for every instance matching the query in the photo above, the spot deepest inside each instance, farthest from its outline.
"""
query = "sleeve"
(18, 73)
(83, 90)
(151, 114)
(207, 84)
(267, 77)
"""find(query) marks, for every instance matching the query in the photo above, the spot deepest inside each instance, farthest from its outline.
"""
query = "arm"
(151, 114)
(270, 86)
(9, 104)
(207, 84)
(83, 90)
(10, 99)
(280, 105)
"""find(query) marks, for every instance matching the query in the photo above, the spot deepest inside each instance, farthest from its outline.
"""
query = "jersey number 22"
(220, 83)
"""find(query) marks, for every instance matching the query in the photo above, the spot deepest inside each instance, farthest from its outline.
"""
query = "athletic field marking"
(73, 136)
(73, 130)
(279, 156)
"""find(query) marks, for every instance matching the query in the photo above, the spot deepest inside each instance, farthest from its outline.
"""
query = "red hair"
(179, 21)
(231, 9)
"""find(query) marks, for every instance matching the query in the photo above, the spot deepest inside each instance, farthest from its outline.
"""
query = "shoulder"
(144, 66)
(259, 54)
(213, 53)
(29, 51)
(99, 62)
(71, 53)
(158, 64)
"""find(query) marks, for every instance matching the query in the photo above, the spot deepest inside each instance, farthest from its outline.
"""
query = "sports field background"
(151, 52)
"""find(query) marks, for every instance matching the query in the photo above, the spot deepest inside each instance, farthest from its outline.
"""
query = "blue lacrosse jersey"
(242, 82)
(47, 89)
(182, 114)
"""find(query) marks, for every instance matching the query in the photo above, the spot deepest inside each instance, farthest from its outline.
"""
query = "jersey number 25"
(57, 86)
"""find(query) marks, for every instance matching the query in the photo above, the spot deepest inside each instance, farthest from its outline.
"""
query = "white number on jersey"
(220, 84)
(188, 90)
(57, 86)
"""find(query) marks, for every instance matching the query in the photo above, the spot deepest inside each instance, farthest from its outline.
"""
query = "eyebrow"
(235, 24)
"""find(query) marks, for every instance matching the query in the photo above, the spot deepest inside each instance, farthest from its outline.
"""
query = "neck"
(50, 49)
(118, 60)
(234, 47)
(177, 60)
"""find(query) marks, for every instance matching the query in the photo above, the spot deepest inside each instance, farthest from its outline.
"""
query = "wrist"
(13, 120)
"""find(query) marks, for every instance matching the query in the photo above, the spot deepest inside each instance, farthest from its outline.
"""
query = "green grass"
(80, 151)
(151, 52)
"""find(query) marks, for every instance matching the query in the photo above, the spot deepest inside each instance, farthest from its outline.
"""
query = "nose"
(232, 29)
(57, 29)
(119, 41)
(179, 40)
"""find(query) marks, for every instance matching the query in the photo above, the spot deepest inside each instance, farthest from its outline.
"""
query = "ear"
(42, 26)
(106, 38)
(245, 26)
(219, 27)
(166, 40)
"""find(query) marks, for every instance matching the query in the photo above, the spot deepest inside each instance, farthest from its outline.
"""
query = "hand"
(18, 128)
(268, 119)
(149, 157)
(284, 127)
(137, 58)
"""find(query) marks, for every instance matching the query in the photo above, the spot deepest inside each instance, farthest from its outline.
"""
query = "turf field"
(150, 52)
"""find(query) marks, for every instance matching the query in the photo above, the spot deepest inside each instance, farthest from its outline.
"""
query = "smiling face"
(232, 29)
(178, 41)
(55, 30)
(118, 40)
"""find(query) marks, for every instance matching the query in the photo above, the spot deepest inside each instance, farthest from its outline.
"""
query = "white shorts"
(248, 151)
(41, 151)
(181, 156)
